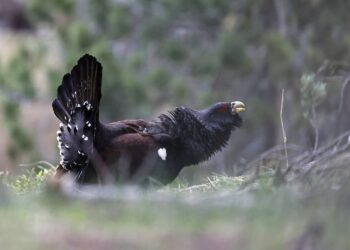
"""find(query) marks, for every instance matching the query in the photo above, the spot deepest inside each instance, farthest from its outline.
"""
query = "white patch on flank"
(162, 153)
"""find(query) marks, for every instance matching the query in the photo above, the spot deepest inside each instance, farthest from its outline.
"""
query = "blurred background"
(160, 54)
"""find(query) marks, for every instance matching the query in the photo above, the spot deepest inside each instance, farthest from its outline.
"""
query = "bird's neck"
(201, 138)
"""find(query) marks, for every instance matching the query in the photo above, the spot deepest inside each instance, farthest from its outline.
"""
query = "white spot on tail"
(162, 153)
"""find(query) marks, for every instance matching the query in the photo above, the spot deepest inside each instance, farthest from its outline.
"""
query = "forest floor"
(221, 213)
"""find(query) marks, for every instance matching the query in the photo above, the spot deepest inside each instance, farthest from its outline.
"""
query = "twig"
(284, 135)
(341, 102)
(270, 154)
(308, 156)
(194, 187)
(37, 164)
(326, 153)
(315, 127)
(212, 183)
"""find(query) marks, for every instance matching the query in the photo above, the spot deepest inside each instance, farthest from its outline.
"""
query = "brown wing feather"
(131, 154)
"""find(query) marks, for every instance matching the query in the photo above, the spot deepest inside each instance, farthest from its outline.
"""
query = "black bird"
(136, 151)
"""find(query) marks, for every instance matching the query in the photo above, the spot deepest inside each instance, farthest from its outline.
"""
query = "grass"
(221, 213)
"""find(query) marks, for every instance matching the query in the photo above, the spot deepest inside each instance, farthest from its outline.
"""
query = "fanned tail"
(77, 107)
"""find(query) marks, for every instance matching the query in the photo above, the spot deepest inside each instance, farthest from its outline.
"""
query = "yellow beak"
(237, 107)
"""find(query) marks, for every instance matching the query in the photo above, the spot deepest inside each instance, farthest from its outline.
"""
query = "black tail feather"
(76, 106)
(60, 111)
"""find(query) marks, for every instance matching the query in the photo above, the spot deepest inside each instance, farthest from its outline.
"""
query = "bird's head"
(224, 113)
